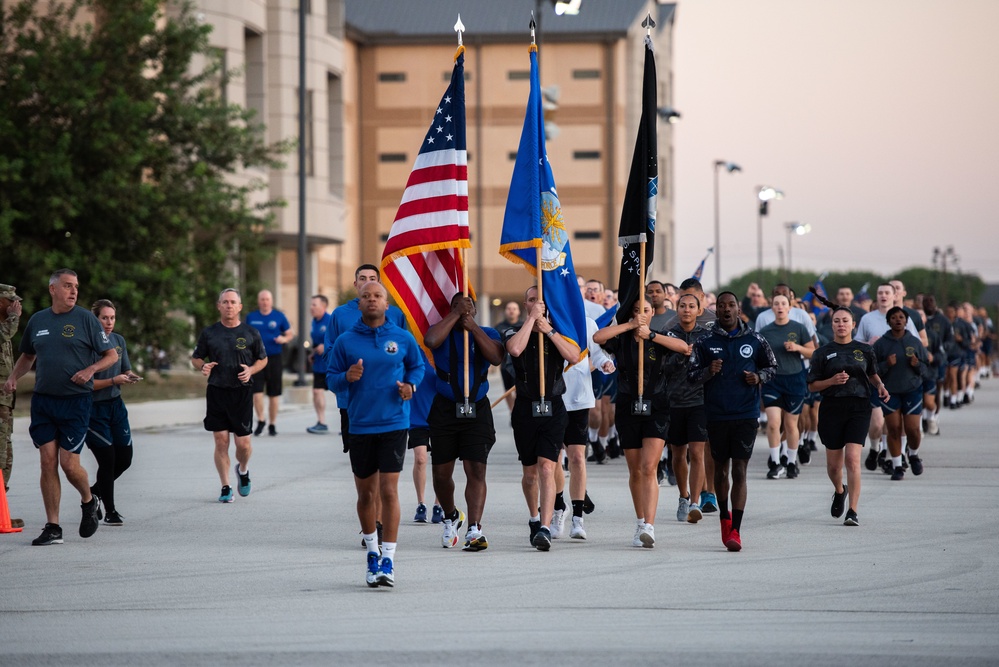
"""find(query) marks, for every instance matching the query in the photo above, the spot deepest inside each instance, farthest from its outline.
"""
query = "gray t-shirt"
(788, 363)
(705, 319)
(794, 314)
(123, 365)
(874, 325)
(63, 345)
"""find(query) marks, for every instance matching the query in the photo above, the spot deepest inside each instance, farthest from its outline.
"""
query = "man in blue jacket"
(382, 365)
(732, 362)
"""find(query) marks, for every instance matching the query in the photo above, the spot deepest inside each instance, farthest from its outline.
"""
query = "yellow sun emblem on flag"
(552, 225)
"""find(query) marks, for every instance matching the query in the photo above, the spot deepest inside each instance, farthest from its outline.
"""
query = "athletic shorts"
(910, 403)
(538, 437)
(955, 360)
(454, 438)
(929, 385)
(109, 424)
(377, 452)
(604, 385)
(345, 429)
(733, 439)
(813, 397)
(786, 392)
(687, 425)
(632, 429)
(575, 429)
(875, 399)
(941, 373)
(844, 420)
(270, 377)
(418, 437)
(63, 419)
(229, 409)
(318, 379)
(970, 359)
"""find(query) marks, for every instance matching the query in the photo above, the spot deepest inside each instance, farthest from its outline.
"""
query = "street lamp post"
(794, 229)
(765, 193)
(730, 167)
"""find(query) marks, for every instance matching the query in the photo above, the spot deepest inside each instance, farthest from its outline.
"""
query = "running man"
(275, 330)
(320, 323)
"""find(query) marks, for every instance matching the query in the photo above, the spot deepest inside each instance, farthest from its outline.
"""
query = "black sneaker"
(272, 430)
(839, 502)
(535, 528)
(613, 449)
(260, 428)
(599, 453)
(872, 460)
(113, 519)
(776, 470)
(670, 475)
(792, 470)
(93, 492)
(851, 519)
(804, 454)
(51, 534)
(916, 464)
(542, 540)
(812, 446)
(898, 474)
(588, 505)
(89, 522)
(661, 472)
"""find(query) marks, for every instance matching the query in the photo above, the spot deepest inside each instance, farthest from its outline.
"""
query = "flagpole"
(464, 291)
(641, 310)
(541, 336)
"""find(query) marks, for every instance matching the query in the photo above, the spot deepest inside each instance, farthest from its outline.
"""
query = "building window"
(392, 77)
(447, 75)
(585, 74)
(512, 156)
(391, 157)
(586, 155)
(334, 116)
(585, 236)
(383, 237)
(253, 47)
(221, 57)
(334, 18)
(518, 74)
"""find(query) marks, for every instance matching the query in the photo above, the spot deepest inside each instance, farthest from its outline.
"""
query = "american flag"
(421, 263)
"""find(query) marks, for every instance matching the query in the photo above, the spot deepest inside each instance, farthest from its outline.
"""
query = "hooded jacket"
(727, 396)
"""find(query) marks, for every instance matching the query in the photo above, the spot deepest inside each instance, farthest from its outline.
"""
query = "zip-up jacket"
(727, 396)
(901, 378)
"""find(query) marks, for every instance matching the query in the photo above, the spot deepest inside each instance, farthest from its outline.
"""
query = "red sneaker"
(734, 541)
(726, 528)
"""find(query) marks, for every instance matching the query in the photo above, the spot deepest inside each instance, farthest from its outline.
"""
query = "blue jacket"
(727, 396)
(318, 332)
(342, 319)
(390, 355)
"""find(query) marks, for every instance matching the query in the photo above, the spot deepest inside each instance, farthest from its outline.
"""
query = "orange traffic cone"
(5, 526)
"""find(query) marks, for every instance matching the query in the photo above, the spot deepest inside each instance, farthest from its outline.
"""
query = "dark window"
(586, 155)
(392, 77)
(584, 236)
(383, 237)
(518, 74)
(512, 155)
(585, 74)
(392, 157)
(447, 76)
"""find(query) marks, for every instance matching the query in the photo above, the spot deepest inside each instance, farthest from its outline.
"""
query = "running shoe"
(260, 428)
(475, 541)
(734, 541)
(371, 576)
(598, 452)
(709, 503)
(648, 536)
(851, 519)
(811, 445)
(885, 462)
(558, 524)
(421, 514)
(804, 454)
(776, 470)
(385, 577)
(100, 514)
(934, 427)
(636, 540)
(916, 464)
(872, 460)
(542, 539)
(838, 503)
(694, 513)
(905, 462)
(242, 482)
(661, 471)
(726, 529)
(535, 527)
(51, 534)
(318, 429)
(792, 470)
(588, 505)
(112, 518)
(271, 430)
(670, 475)
(898, 474)
(577, 532)
(438, 515)
(451, 527)
(226, 495)
(682, 509)
(613, 449)
(89, 521)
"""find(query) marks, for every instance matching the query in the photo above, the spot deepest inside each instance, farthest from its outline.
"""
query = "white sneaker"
(647, 536)
(636, 541)
(694, 513)
(577, 532)
(451, 528)
(682, 508)
(932, 427)
(557, 526)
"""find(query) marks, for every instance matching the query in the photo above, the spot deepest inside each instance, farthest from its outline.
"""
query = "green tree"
(121, 161)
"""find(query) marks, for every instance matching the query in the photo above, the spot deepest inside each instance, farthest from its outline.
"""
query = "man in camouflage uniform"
(10, 317)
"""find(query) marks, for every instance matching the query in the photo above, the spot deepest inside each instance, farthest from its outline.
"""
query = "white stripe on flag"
(435, 189)
(438, 158)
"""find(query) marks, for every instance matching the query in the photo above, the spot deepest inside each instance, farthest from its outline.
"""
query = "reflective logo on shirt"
(391, 347)
(240, 343)
(42, 332)
(793, 337)
(69, 331)
(910, 351)
(746, 351)
(831, 355)
(858, 355)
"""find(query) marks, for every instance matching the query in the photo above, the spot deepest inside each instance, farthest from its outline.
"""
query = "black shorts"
(844, 420)
(632, 429)
(345, 429)
(377, 452)
(318, 379)
(109, 424)
(575, 428)
(687, 425)
(229, 409)
(733, 439)
(467, 439)
(270, 377)
(538, 437)
(64, 419)
(418, 437)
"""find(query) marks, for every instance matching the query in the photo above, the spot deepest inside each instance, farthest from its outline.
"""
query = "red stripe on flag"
(424, 237)
(444, 172)
(432, 205)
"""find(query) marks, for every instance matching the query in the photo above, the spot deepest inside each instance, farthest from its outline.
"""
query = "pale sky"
(877, 118)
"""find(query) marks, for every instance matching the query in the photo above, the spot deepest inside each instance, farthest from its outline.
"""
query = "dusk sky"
(877, 118)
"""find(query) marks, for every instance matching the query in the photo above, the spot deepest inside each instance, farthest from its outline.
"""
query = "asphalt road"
(278, 577)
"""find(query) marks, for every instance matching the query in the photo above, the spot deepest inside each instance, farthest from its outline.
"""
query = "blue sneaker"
(709, 502)
(319, 429)
(371, 577)
(242, 482)
(385, 576)
(438, 515)
(421, 514)
(226, 495)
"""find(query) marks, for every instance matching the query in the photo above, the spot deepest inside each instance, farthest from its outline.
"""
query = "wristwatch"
(413, 386)
(652, 335)
(551, 334)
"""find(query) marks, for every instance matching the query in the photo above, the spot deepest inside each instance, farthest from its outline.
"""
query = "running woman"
(844, 371)
(784, 395)
(902, 362)
(110, 436)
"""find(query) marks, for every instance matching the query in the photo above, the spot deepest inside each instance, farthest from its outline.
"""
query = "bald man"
(275, 330)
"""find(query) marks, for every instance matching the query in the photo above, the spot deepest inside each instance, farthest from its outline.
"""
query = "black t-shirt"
(230, 347)
(940, 337)
(855, 358)
(502, 328)
(624, 347)
(525, 368)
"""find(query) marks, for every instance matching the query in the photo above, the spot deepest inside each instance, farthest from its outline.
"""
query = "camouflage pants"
(6, 446)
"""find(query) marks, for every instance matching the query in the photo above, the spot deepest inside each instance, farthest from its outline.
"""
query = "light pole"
(730, 167)
(764, 193)
(570, 8)
(794, 229)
